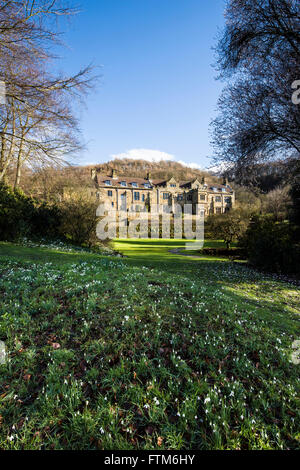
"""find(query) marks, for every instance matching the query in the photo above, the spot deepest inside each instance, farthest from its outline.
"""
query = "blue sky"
(158, 90)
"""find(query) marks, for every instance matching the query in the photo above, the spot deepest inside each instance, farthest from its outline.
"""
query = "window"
(228, 200)
(134, 185)
(180, 197)
(109, 193)
(107, 182)
(112, 204)
(215, 190)
(143, 198)
(136, 196)
(147, 185)
(223, 190)
(218, 199)
(173, 185)
(202, 197)
(123, 196)
(166, 196)
(123, 183)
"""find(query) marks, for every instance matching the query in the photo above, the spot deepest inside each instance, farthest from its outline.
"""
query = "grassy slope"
(156, 345)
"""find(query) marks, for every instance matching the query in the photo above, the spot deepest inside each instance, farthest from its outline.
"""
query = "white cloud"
(144, 154)
(152, 156)
(193, 166)
(219, 169)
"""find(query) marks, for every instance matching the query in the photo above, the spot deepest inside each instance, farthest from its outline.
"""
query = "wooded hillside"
(47, 183)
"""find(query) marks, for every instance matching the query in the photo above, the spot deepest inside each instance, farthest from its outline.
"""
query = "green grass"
(158, 253)
(107, 353)
(45, 255)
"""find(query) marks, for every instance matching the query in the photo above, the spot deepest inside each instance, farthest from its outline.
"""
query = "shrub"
(228, 227)
(271, 245)
(237, 253)
(16, 211)
(79, 220)
(295, 196)
(22, 216)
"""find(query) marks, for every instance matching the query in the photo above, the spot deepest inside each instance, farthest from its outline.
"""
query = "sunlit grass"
(152, 351)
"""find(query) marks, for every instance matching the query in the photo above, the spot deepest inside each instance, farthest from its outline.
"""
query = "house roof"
(116, 182)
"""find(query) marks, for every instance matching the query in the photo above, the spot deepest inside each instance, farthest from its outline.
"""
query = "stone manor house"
(139, 194)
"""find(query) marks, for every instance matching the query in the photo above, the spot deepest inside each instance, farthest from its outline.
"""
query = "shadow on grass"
(282, 296)
(271, 292)
(44, 255)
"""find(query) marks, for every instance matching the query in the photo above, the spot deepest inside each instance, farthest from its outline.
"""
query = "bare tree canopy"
(260, 53)
(258, 29)
(37, 122)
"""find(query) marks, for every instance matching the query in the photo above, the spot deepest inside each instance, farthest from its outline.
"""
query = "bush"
(227, 227)
(15, 214)
(22, 216)
(237, 253)
(271, 245)
(79, 220)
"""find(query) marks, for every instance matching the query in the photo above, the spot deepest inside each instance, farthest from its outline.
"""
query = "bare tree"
(278, 202)
(260, 51)
(256, 30)
(257, 119)
(38, 123)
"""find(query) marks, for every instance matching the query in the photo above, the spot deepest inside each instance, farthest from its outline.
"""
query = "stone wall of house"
(125, 193)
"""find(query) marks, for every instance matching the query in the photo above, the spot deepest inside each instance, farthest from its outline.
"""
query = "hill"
(158, 170)
(47, 183)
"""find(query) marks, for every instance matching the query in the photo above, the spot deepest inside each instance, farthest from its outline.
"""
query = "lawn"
(152, 351)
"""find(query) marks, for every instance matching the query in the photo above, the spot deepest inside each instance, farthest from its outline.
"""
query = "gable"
(195, 184)
(172, 181)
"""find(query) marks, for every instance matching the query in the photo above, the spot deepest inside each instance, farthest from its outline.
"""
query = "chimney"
(94, 174)
(149, 176)
(114, 174)
(203, 181)
(225, 181)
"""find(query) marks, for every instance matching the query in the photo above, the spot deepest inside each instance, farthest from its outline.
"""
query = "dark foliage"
(22, 216)
(272, 246)
(295, 195)
(265, 176)
(237, 253)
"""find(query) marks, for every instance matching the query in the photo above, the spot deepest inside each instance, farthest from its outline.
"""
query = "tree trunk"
(18, 175)
(19, 164)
